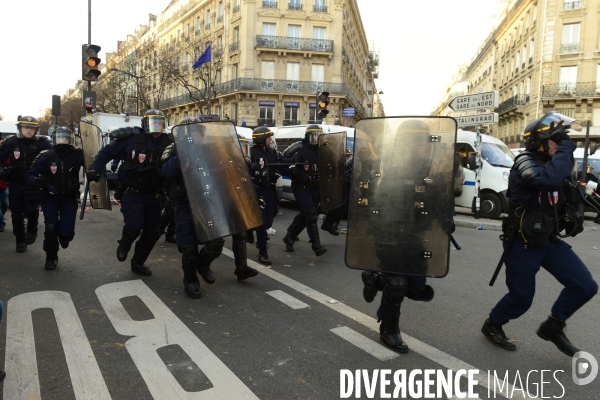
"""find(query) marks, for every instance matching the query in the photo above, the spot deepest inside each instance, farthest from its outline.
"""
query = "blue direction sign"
(348, 112)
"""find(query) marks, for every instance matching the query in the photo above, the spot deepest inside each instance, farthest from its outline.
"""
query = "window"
(569, 42)
(234, 71)
(291, 116)
(320, 6)
(265, 115)
(268, 75)
(293, 37)
(197, 25)
(567, 80)
(234, 113)
(234, 46)
(573, 4)
(531, 47)
(517, 61)
(295, 5)
(317, 77)
(318, 43)
(187, 31)
(220, 12)
(293, 77)
(268, 29)
(207, 26)
(312, 115)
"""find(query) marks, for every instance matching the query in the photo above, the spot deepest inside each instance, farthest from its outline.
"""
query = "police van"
(287, 135)
(496, 162)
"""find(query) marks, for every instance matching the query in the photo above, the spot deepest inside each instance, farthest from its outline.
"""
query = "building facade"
(544, 55)
(268, 60)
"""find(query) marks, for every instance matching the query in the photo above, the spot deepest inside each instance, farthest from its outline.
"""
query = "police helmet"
(312, 133)
(154, 121)
(260, 134)
(27, 122)
(62, 135)
(541, 129)
(349, 152)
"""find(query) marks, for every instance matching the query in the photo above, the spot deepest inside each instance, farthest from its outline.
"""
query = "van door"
(466, 152)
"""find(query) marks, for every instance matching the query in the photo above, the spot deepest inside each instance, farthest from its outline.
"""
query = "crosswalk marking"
(287, 299)
(364, 343)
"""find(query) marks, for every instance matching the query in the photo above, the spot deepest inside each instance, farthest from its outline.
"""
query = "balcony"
(295, 6)
(322, 9)
(572, 5)
(288, 122)
(269, 4)
(569, 48)
(293, 43)
(513, 103)
(576, 89)
(234, 46)
(266, 122)
(218, 51)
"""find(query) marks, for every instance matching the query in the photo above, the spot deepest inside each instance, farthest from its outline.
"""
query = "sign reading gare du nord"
(476, 101)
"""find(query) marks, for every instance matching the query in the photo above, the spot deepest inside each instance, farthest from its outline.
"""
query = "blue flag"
(203, 59)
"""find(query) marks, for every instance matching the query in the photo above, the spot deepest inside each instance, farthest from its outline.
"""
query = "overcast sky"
(421, 44)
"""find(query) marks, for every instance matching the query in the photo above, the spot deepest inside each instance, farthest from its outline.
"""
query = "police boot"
(127, 238)
(170, 233)
(389, 329)
(65, 239)
(143, 248)
(18, 221)
(51, 246)
(242, 270)
(495, 334)
(329, 225)
(211, 251)
(312, 218)
(32, 225)
(263, 256)
(189, 259)
(373, 283)
(553, 330)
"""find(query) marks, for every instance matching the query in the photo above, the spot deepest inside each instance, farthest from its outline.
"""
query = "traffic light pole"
(89, 88)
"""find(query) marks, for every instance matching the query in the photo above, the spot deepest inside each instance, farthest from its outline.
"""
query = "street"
(91, 329)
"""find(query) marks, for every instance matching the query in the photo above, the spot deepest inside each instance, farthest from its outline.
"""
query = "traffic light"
(90, 62)
(322, 103)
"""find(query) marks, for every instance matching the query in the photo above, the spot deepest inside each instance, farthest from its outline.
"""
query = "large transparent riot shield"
(332, 166)
(91, 142)
(221, 195)
(402, 198)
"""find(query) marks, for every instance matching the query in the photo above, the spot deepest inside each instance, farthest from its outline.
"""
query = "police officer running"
(305, 186)
(542, 204)
(56, 171)
(140, 175)
(24, 200)
(264, 179)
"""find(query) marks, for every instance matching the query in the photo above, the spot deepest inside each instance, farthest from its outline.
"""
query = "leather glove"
(5, 172)
(93, 175)
(167, 153)
(114, 165)
(262, 203)
(38, 181)
(559, 134)
(256, 166)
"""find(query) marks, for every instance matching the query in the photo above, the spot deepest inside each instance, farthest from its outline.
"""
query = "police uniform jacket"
(307, 174)
(262, 176)
(60, 169)
(22, 152)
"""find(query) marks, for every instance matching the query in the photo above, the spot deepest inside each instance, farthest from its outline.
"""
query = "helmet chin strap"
(546, 148)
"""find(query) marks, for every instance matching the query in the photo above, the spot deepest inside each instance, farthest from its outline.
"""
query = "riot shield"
(402, 195)
(332, 165)
(91, 142)
(216, 178)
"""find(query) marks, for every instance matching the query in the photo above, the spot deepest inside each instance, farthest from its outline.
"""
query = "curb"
(487, 225)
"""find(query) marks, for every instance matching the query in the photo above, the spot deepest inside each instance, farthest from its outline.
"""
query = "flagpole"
(209, 74)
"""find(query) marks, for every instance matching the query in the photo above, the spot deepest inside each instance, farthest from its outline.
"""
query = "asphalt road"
(93, 330)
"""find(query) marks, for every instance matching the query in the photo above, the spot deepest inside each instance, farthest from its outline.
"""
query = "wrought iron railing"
(294, 6)
(293, 43)
(577, 89)
(272, 85)
(572, 5)
(265, 122)
(218, 52)
(569, 47)
(234, 46)
(317, 8)
(269, 4)
(287, 122)
(513, 102)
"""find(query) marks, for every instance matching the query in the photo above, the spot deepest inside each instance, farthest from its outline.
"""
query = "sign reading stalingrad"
(477, 119)
(475, 101)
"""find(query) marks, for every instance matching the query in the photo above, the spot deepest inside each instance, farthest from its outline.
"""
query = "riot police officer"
(140, 175)
(305, 186)
(542, 205)
(56, 171)
(333, 217)
(24, 199)
(264, 178)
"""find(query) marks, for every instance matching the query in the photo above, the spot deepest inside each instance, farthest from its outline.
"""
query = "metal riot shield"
(216, 178)
(332, 166)
(91, 141)
(402, 197)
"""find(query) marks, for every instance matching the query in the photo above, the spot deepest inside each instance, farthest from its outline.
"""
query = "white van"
(593, 160)
(287, 135)
(497, 160)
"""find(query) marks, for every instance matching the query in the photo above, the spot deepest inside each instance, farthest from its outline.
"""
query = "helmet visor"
(63, 136)
(156, 124)
(552, 119)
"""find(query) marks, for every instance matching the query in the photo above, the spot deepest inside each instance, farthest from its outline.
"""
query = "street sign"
(348, 112)
(475, 101)
(477, 119)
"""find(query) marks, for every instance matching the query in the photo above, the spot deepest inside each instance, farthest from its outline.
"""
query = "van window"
(497, 156)
(465, 151)
(591, 161)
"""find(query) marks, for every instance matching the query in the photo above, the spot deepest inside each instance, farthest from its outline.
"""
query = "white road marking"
(287, 299)
(163, 330)
(364, 343)
(416, 346)
(22, 380)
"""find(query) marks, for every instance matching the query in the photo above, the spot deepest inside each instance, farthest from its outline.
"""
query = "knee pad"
(154, 234)
(239, 236)
(214, 248)
(395, 287)
(51, 231)
(69, 237)
(189, 251)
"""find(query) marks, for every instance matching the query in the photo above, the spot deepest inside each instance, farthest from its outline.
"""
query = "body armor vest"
(307, 175)
(62, 174)
(143, 165)
(22, 152)
(268, 176)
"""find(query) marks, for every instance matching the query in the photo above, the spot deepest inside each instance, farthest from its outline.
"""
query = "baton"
(499, 266)
(455, 243)
(85, 196)
(285, 164)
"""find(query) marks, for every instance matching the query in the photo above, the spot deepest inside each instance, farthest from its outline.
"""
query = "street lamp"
(137, 87)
